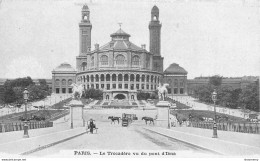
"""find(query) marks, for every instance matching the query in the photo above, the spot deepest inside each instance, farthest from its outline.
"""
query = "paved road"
(116, 137)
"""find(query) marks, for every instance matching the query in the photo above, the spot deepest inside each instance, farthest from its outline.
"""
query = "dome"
(64, 67)
(85, 8)
(120, 32)
(175, 69)
(155, 9)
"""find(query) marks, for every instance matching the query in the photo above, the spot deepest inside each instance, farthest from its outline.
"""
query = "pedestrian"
(91, 126)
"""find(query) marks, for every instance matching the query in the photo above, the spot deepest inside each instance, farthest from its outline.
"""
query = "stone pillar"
(162, 114)
(76, 114)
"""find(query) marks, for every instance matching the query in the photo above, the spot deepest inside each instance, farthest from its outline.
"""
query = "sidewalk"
(227, 143)
(14, 143)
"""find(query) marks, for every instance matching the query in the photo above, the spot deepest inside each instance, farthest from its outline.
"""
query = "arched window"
(147, 78)
(155, 18)
(83, 66)
(143, 78)
(132, 77)
(92, 78)
(113, 77)
(104, 60)
(107, 77)
(137, 77)
(136, 60)
(102, 77)
(120, 77)
(69, 82)
(120, 60)
(63, 82)
(152, 78)
(92, 61)
(97, 77)
(155, 79)
(126, 77)
(87, 78)
(57, 82)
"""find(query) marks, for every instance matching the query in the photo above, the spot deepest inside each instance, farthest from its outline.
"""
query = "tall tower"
(85, 32)
(155, 40)
(155, 32)
(84, 39)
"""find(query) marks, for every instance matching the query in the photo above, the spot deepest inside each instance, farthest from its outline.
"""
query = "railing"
(253, 128)
(17, 126)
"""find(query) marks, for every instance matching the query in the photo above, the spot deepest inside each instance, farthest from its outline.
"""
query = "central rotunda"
(119, 68)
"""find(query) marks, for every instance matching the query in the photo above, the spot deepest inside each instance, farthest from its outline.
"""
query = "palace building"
(119, 68)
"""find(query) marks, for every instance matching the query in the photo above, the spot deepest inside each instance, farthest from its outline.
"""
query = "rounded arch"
(152, 78)
(102, 77)
(92, 78)
(57, 82)
(113, 77)
(97, 77)
(137, 77)
(63, 82)
(104, 60)
(147, 78)
(69, 81)
(120, 77)
(136, 60)
(108, 77)
(126, 77)
(155, 79)
(87, 78)
(84, 66)
(120, 59)
(132, 77)
(143, 78)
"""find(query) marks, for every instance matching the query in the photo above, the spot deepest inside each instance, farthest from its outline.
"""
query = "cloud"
(24, 66)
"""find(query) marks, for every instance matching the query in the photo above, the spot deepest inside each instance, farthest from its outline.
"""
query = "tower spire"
(120, 24)
(85, 31)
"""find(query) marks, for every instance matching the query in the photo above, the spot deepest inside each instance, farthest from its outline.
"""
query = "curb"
(185, 142)
(51, 144)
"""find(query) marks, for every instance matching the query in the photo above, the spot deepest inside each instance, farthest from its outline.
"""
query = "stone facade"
(176, 77)
(62, 77)
(120, 68)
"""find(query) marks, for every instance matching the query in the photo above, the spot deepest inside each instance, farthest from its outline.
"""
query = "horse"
(77, 89)
(112, 118)
(162, 91)
(148, 119)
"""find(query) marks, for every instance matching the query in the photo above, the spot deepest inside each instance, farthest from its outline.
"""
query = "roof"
(85, 8)
(155, 9)
(120, 41)
(64, 67)
(120, 32)
(175, 69)
(120, 45)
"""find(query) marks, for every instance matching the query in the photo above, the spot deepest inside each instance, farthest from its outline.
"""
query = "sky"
(206, 37)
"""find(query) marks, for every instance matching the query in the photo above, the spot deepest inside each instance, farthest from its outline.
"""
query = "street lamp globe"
(25, 94)
(214, 95)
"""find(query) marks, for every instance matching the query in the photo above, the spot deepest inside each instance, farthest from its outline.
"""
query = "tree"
(215, 80)
(249, 98)
(13, 89)
(93, 93)
(143, 95)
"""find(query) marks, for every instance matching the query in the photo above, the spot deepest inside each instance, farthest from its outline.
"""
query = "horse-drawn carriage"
(128, 118)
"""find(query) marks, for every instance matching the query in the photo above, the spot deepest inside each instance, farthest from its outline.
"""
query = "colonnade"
(120, 80)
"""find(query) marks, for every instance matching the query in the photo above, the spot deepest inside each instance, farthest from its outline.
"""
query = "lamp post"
(25, 125)
(214, 98)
